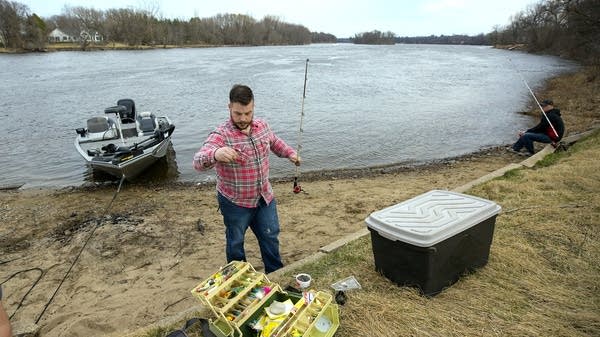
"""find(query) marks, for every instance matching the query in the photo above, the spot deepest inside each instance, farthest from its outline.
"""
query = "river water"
(365, 105)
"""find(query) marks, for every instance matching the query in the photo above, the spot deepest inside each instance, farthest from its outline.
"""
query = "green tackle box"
(240, 299)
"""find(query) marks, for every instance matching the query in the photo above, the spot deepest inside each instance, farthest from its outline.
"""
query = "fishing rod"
(297, 187)
(535, 98)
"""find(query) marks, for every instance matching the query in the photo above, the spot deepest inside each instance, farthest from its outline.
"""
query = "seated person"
(543, 132)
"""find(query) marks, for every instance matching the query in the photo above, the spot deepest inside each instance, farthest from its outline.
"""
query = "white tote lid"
(431, 217)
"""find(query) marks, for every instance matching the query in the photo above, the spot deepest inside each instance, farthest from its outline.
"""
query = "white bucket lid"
(431, 217)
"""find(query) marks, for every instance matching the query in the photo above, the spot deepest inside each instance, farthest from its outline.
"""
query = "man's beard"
(242, 126)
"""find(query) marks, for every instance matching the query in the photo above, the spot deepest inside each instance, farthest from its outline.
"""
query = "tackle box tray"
(239, 297)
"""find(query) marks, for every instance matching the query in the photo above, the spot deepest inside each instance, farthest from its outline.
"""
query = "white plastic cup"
(303, 280)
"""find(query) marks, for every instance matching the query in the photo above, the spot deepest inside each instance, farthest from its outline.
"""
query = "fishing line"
(533, 95)
(80, 251)
(297, 187)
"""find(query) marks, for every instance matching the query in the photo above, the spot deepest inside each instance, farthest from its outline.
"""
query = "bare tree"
(374, 37)
(89, 21)
(583, 28)
(130, 26)
(13, 16)
(565, 27)
(142, 27)
(35, 33)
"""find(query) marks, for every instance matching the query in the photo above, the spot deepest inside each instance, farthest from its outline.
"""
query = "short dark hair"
(241, 94)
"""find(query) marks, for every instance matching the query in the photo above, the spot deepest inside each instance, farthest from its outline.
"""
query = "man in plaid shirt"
(239, 151)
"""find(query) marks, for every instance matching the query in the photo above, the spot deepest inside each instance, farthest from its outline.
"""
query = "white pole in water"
(535, 98)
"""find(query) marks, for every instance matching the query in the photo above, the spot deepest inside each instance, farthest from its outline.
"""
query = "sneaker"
(510, 149)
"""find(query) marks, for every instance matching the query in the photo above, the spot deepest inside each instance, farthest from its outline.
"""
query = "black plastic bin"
(431, 240)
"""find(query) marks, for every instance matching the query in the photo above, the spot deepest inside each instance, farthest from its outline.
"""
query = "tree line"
(374, 37)
(480, 39)
(377, 37)
(21, 29)
(569, 28)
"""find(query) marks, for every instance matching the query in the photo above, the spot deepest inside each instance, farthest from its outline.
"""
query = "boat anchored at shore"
(124, 142)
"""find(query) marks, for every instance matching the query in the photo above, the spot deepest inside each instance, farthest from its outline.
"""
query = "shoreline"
(309, 176)
(120, 46)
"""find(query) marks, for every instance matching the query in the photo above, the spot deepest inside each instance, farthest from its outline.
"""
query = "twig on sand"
(172, 304)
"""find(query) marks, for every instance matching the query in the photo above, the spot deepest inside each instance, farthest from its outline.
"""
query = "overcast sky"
(343, 18)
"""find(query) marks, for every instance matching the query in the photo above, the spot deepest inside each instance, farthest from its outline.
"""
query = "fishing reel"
(297, 187)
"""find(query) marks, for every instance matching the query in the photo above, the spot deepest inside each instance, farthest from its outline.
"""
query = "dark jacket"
(545, 128)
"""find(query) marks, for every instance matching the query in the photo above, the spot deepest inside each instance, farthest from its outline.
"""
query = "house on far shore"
(58, 35)
(91, 36)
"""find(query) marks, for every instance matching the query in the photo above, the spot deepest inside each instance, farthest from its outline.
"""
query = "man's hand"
(226, 155)
(295, 159)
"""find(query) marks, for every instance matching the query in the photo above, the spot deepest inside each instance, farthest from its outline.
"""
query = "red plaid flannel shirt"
(246, 180)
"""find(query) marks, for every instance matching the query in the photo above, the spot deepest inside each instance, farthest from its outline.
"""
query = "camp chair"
(189, 324)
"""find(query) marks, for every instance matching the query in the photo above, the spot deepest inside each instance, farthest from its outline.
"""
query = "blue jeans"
(527, 139)
(264, 223)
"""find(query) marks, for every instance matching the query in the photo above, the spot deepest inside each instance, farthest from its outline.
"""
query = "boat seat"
(98, 128)
(97, 124)
(147, 123)
(127, 116)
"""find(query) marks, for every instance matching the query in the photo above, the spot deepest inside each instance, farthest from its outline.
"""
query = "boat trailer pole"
(119, 127)
(297, 187)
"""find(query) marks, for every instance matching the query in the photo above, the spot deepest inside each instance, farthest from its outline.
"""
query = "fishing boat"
(123, 142)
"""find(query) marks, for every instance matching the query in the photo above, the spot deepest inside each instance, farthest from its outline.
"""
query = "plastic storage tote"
(430, 240)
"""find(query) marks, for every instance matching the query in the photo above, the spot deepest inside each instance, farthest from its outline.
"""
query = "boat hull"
(132, 167)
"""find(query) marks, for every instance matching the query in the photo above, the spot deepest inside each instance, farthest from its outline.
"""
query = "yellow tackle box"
(243, 299)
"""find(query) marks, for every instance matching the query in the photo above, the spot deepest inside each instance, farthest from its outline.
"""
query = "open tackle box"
(244, 302)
